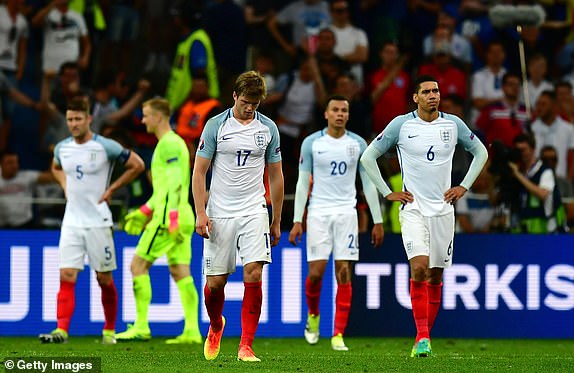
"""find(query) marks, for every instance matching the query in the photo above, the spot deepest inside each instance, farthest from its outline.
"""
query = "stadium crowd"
(116, 53)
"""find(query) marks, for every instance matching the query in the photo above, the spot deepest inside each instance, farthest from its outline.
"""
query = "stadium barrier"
(501, 286)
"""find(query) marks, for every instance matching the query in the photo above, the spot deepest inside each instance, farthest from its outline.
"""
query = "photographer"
(540, 209)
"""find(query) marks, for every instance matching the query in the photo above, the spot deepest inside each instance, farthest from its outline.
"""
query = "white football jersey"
(238, 155)
(88, 168)
(333, 162)
(425, 151)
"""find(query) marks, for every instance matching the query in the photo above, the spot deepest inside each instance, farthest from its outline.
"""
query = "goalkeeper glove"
(136, 220)
(173, 228)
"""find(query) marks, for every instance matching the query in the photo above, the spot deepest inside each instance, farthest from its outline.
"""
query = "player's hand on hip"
(454, 194)
(107, 197)
(402, 197)
(296, 233)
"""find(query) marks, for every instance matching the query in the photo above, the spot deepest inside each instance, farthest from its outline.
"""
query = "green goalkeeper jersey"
(170, 172)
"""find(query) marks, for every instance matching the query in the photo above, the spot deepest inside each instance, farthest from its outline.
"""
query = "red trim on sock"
(65, 304)
(110, 304)
(419, 301)
(250, 311)
(214, 305)
(313, 294)
(342, 307)
(434, 295)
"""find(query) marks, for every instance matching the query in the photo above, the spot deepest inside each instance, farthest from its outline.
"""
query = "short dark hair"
(563, 83)
(336, 98)
(527, 138)
(7, 152)
(511, 74)
(456, 99)
(78, 104)
(421, 79)
(68, 65)
(549, 93)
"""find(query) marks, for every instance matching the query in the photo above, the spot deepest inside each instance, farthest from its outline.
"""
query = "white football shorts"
(96, 243)
(333, 233)
(247, 236)
(429, 236)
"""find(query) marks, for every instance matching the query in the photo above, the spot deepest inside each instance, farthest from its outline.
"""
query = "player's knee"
(419, 272)
(68, 274)
(104, 278)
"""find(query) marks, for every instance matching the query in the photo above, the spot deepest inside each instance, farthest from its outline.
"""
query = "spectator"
(549, 157)
(388, 87)
(195, 112)
(122, 32)
(540, 209)
(475, 210)
(257, 13)
(487, 82)
(460, 48)
(106, 106)
(155, 18)
(306, 18)
(17, 190)
(565, 100)
(550, 129)
(68, 84)
(359, 108)
(330, 64)
(537, 70)
(474, 24)
(352, 44)
(507, 117)
(225, 25)
(65, 36)
(301, 95)
(194, 55)
(451, 79)
(13, 44)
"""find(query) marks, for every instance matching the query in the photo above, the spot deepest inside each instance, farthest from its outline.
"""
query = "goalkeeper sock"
(110, 304)
(66, 304)
(250, 311)
(142, 294)
(342, 307)
(214, 305)
(419, 301)
(312, 293)
(434, 294)
(190, 303)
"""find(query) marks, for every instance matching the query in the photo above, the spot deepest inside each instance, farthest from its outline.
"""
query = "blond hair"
(252, 85)
(160, 105)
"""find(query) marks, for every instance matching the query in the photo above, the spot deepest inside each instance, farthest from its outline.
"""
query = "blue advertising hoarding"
(507, 286)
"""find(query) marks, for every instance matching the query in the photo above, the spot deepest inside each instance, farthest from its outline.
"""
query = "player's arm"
(301, 193)
(479, 153)
(134, 166)
(276, 189)
(199, 191)
(376, 148)
(372, 198)
(173, 158)
(59, 174)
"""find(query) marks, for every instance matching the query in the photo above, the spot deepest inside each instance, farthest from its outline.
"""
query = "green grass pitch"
(294, 355)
